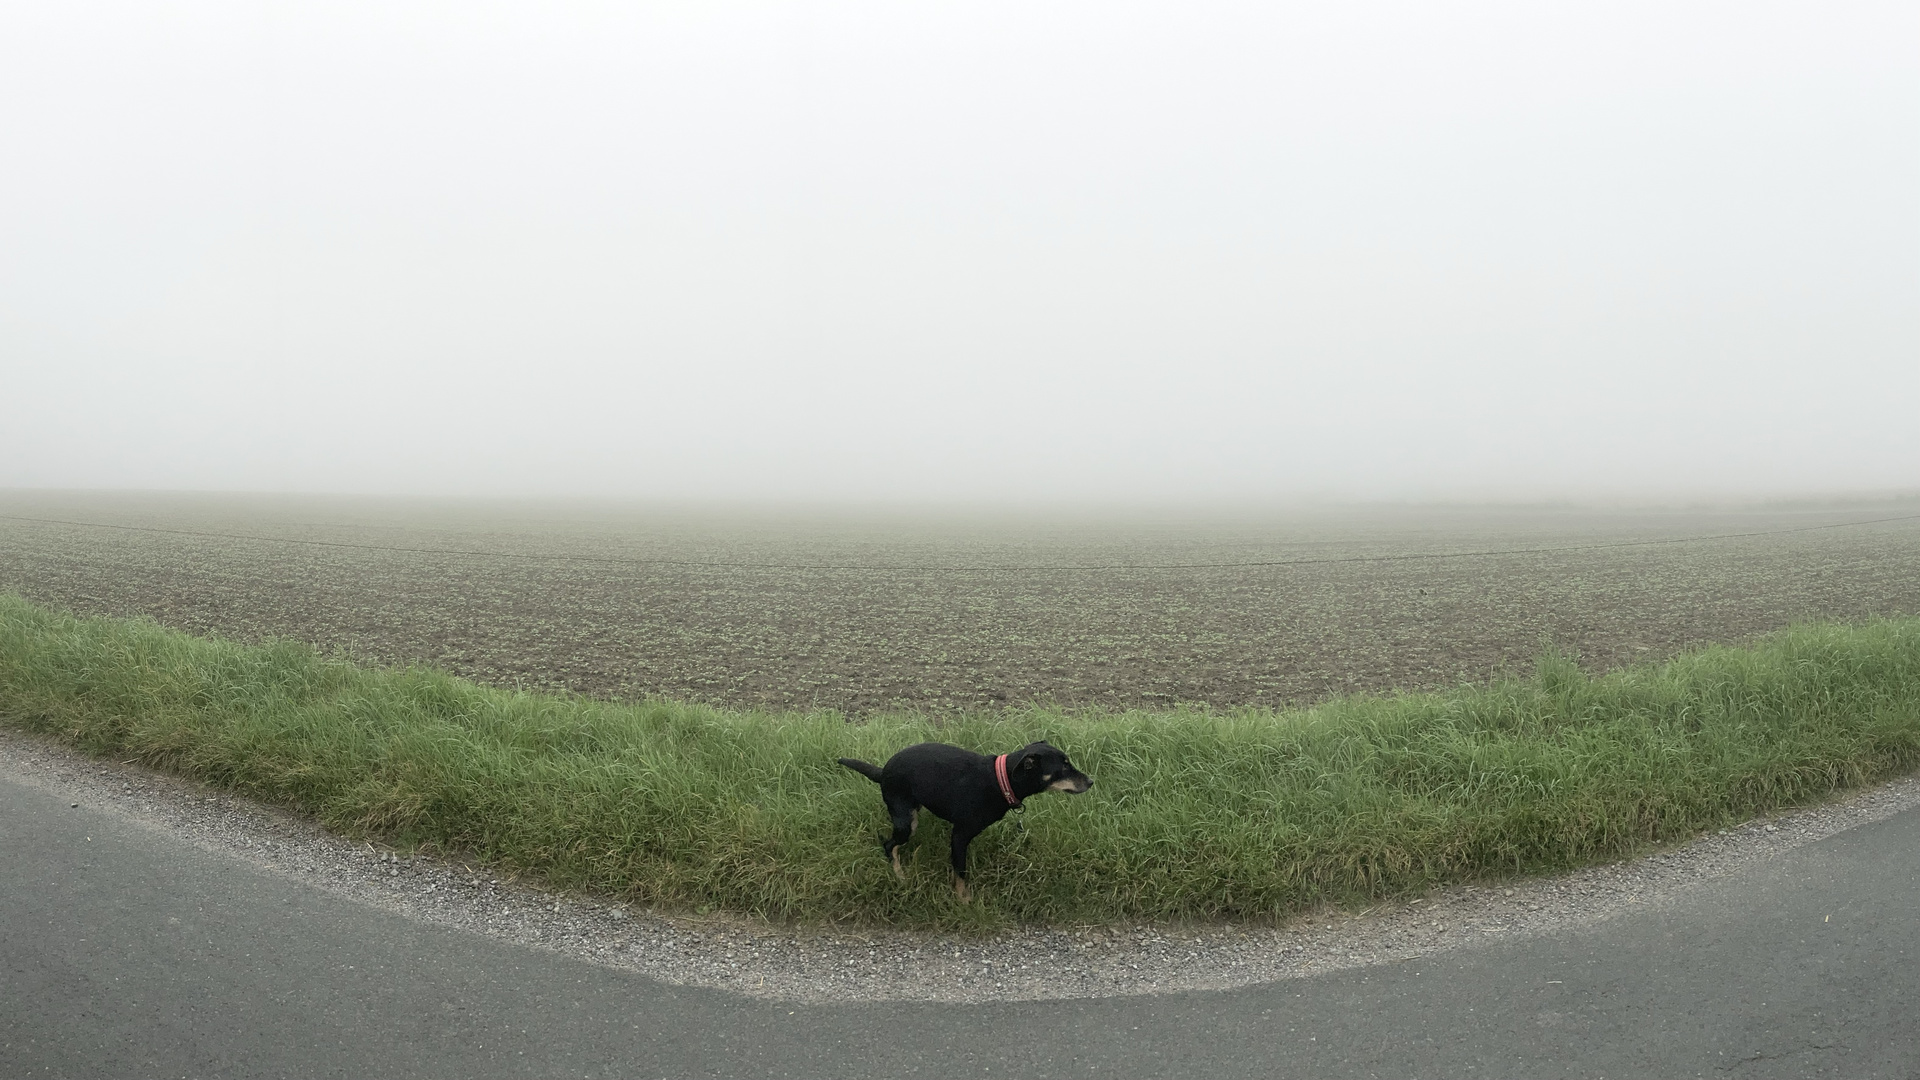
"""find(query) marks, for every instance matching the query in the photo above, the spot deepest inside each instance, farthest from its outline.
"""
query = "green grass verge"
(1193, 815)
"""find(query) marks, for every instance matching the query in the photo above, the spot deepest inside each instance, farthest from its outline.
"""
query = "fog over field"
(962, 251)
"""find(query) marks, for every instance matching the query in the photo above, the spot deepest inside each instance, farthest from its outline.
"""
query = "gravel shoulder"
(858, 964)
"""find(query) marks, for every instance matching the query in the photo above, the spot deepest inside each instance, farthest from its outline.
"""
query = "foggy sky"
(962, 250)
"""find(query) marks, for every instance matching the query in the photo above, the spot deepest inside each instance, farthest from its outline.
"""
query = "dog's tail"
(871, 772)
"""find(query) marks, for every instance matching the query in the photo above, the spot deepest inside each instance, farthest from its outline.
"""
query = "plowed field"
(941, 611)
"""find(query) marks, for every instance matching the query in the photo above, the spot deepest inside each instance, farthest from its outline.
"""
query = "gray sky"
(962, 250)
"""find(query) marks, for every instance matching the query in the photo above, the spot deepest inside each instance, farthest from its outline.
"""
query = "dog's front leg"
(962, 838)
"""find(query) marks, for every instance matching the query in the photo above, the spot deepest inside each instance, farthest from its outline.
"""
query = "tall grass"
(1193, 814)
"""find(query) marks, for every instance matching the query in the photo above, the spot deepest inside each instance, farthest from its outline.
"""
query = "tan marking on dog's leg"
(915, 827)
(898, 871)
(960, 890)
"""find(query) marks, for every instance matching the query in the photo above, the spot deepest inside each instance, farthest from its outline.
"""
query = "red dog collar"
(1006, 786)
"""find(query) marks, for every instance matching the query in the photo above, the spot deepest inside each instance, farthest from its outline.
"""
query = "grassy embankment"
(1193, 814)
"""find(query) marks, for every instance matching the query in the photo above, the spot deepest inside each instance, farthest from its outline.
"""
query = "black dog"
(971, 790)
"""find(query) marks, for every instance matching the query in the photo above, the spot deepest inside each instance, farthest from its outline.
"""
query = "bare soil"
(942, 611)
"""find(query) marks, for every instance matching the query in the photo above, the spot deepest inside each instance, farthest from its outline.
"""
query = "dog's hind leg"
(906, 818)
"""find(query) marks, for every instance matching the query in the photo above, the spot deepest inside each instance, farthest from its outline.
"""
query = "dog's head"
(1046, 768)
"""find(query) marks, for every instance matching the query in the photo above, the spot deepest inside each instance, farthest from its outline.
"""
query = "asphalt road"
(127, 952)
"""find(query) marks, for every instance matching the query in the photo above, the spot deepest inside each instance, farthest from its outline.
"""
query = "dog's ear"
(1028, 761)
